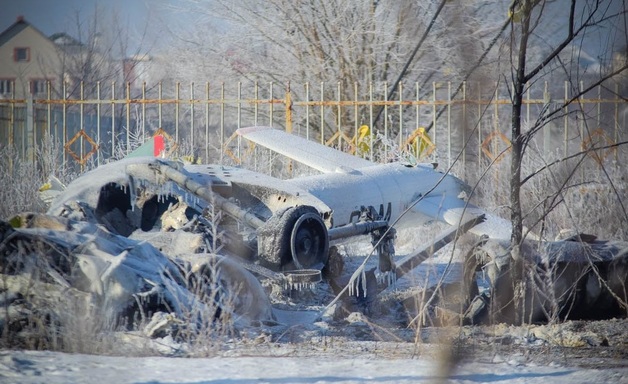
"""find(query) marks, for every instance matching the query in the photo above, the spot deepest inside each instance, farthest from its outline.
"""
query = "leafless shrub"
(134, 139)
(40, 310)
(22, 179)
(20, 182)
(207, 324)
(49, 160)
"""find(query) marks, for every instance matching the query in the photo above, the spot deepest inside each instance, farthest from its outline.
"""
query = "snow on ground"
(55, 367)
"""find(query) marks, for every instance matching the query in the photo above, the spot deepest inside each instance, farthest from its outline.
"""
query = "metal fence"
(438, 122)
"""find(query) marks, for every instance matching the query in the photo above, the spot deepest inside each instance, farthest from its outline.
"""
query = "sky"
(52, 16)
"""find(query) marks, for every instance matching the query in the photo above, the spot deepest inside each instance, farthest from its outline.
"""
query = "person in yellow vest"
(421, 144)
(364, 140)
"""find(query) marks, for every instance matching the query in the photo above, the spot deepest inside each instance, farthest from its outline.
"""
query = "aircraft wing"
(310, 153)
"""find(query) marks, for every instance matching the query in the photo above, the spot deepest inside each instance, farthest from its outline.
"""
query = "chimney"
(20, 19)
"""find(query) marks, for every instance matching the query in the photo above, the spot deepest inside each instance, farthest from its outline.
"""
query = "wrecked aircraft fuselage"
(183, 216)
(133, 194)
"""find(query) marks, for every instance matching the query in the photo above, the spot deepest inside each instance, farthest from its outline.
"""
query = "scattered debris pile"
(580, 277)
(53, 265)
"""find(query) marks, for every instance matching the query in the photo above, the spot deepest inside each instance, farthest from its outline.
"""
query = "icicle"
(354, 288)
(389, 278)
(132, 195)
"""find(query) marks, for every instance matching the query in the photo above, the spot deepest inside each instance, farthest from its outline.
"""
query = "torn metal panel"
(557, 280)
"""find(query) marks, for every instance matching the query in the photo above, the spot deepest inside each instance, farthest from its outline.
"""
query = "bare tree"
(95, 49)
(349, 46)
(560, 59)
(529, 16)
(98, 57)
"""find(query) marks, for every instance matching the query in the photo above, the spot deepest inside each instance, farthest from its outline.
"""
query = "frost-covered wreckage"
(145, 236)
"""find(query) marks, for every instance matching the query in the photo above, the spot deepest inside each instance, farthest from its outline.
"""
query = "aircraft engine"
(295, 238)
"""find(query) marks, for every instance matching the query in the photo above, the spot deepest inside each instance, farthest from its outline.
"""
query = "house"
(28, 60)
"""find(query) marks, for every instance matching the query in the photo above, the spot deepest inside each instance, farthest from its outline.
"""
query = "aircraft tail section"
(154, 146)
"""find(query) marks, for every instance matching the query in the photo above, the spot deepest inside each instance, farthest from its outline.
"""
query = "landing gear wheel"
(294, 239)
(309, 243)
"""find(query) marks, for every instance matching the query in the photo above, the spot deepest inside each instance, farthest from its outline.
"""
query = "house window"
(6, 87)
(21, 54)
(38, 86)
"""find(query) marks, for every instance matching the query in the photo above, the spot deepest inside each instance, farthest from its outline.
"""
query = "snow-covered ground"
(55, 367)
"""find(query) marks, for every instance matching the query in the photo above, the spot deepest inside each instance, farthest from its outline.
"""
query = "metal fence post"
(29, 131)
(288, 101)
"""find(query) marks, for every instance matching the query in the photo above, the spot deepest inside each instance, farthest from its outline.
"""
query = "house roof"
(15, 28)
(64, 39)
(61, 40)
